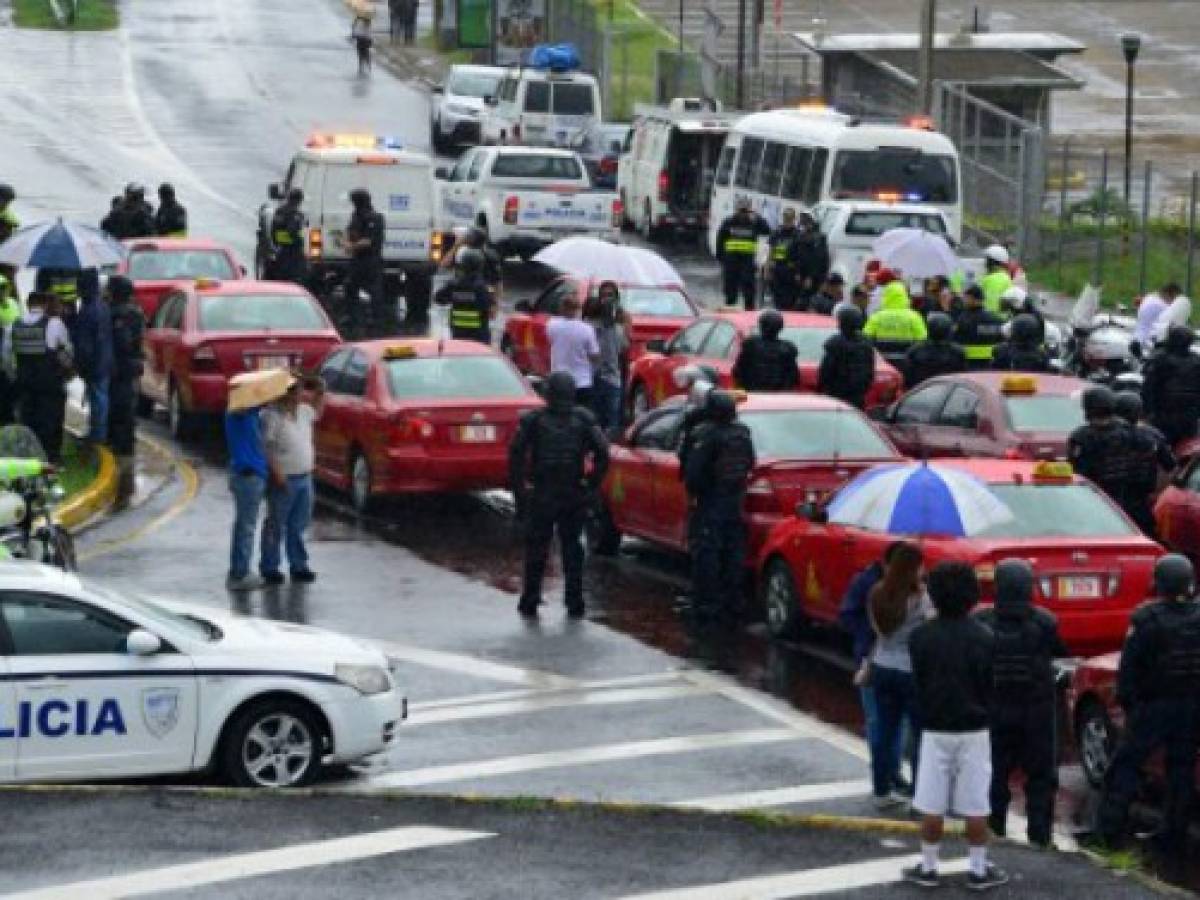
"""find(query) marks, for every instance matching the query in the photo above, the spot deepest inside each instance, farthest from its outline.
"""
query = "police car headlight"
(364, 679)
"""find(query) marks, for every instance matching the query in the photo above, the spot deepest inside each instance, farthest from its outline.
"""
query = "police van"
(400, 182)
(102, 686)
(799, 157)
(543, 107)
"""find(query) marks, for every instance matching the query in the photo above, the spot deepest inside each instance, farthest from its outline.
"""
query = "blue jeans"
(895, 701)
(97, 400)
(606, 404)
(289, 511)
(247, 493)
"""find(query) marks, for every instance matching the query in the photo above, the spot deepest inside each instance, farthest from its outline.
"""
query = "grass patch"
(93, 15)
(79, 466)
(453, 57)
(1120, 269)
(635, 45)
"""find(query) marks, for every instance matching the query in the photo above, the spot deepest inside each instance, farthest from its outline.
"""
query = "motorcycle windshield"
(19, 442)
(1085, 308)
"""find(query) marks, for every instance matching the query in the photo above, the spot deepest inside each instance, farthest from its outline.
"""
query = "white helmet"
(1014, 297)
(997, 254)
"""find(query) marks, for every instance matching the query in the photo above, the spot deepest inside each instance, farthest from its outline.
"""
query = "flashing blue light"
(917, 197)
(390, 143)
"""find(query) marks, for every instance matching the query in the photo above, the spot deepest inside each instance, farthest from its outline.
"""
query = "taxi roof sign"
(204, 283)
(400, 351)
(1018, 384)
(1053, 470)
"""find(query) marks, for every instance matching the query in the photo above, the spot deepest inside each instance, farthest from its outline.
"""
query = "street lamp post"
(1130, 45)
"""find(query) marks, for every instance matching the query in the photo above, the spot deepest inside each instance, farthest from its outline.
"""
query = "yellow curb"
(93, 499)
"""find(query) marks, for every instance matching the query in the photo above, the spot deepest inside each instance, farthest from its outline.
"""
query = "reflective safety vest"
(994, 284)
(738, 245)
(468, 314)
(979, 352)
(66, 289)
(896, 326)
(37, 366)
(10, 309)
(11, 469)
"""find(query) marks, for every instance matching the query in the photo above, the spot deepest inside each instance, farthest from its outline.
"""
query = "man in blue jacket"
(94, 353)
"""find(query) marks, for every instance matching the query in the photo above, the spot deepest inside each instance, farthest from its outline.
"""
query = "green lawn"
(79, 466)
(94, 15)
(1166, 261)
(635, 49)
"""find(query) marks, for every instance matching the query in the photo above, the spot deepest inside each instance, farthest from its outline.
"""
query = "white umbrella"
(587, 257)
(915, 252)
(61, 245)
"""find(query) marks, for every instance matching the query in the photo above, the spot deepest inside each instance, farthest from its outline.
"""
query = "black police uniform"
(928, 359)
(132, 219)
(128, 325)
(1023, 700)
(766, 364)
(1122, 462)
(171, 219)
(737, 246)
(785, 267)
(366, 269)
(847, 368)
(812, 264)
(551, 448)
(718, 466)
(977, 331)
(470, 305)
(1024, 357)
(41, 391)
(1171, 389)
(288, 227)
(1158, 685)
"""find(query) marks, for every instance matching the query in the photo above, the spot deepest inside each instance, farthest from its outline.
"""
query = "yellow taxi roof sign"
(1018, 384)
(400, 351)
(739, 395)
(1053, 470)
(205, 283)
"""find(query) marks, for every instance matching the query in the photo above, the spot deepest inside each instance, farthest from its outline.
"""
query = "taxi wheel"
(179, 420)
(360, 483)
(639, 401)
(603, 538)
(1096, 739)
(777, 593)
(273, 744)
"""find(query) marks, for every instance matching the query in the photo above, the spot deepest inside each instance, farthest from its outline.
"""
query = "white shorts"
(955, 774)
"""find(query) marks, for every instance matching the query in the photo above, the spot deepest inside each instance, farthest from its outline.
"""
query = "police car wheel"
(1096, 739)
(274, 744)
(603, 538)
(777, 593)
(360, 483)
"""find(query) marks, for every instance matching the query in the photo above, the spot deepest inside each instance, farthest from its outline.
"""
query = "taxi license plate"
(477, 434)
(1079, 588)
(272, 362)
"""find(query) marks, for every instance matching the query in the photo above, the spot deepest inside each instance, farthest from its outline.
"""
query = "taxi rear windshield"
(655, 302)
(536, 166)
(1045, 412)
(1056, 510)
(449, 377)
(168, 265)
(260, 312)
(814, 434)
(809, 342)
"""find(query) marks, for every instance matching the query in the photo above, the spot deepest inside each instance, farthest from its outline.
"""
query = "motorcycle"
(29, 491)
(1102, 346)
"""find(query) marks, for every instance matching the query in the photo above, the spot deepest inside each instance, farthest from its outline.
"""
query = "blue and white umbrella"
(917, 498)
(61, 245)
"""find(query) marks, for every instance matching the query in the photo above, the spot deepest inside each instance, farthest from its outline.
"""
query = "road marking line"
(804, 793)
(808, 883)
(533, 762)
(219, 869)
(497, 696)
(553, 701)
(473, 665)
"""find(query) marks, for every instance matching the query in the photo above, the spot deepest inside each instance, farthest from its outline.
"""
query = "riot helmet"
(1098, 403)
(939, 325)
(720, 406)
(770, 323)
(1174, 576)
(1024, 329)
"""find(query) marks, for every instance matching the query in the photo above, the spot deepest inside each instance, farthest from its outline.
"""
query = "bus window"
(816, 177)
(915, 175)
(725, 166)
(796, 173)
(746, 175)
(771, 169)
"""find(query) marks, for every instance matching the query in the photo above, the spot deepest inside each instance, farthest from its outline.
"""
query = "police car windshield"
(472, 84)
(655, 302)
(1044, 412)
(525, 165)
(168, 265)
(260, 312)
(150, 612)
(809, 342)
(914, 175)
(1056, 510)
(814, 434)
(447, 377)
(873, 224)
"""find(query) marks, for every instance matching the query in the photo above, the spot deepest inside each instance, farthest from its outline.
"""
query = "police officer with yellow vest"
(785, 262)
(41, 348)
(288, 227)
(896, 326)
(10, 311)
(471, 303)
(737, 249)
(997, 281)
(977, 330)
(171, 218)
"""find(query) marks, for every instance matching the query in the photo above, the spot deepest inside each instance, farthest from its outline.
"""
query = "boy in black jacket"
(952, 667)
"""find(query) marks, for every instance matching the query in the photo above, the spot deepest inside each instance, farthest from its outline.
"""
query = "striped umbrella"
(917, 498)
(60, 245)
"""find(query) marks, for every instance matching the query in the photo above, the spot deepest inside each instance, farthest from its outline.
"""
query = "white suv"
(458, 106)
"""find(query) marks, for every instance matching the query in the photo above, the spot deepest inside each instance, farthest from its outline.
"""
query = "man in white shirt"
(1178, 312)
(574, 348)
(1149, 311)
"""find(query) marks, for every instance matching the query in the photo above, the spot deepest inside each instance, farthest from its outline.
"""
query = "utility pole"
(925, 57)
(740, 96)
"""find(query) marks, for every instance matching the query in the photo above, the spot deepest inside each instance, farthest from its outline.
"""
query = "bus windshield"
(908, 173)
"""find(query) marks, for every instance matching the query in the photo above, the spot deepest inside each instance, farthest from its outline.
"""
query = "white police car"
(97, 686)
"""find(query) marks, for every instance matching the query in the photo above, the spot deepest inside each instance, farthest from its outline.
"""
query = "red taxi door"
(532, 344)
(911, 419)
(828, 563)
(330, 466)
(955, 430)
(682, 350)
(161, 342)
(340, 426)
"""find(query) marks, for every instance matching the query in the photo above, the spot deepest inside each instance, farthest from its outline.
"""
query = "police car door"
(85, 706)
(457, 207)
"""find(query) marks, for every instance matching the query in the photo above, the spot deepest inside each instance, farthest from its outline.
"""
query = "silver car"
(458, 106)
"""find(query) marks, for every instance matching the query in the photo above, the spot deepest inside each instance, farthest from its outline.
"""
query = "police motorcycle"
(1101, 346)
(29, 491)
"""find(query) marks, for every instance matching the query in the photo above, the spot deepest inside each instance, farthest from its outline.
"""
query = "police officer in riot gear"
(1158, 685)
(848, 364)
(813, 261)
(737, 250)
(1118, 459)
(288, 228)
(937, 355)
(1023, 699)
(765, 362)
(1023, 351)
(128, 325)
(718, 468)
(1171, 389)
(171, 218)
(785, 262)
(471, 303)
(42, 349)
(134, 218)
(553, 486)
(1129, 407)
(364, 239)
(977, 330)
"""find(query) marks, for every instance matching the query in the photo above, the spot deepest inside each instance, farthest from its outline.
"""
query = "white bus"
(798, 157)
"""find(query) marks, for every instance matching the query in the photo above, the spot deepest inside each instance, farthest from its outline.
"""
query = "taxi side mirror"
(275, 191)
(142, 643)
(657, 345)
(813, 512)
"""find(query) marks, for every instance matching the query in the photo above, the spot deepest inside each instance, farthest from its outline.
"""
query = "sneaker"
(245, 583)
(993, 876)
(303, 576)
(919, 875)
(272, 577)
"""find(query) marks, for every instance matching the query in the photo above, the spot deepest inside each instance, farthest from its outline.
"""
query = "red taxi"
(805, 444)
(418, 415)
(204, 332)
(715, 340)
(1093, 566)
(1177, 512)
(154, 265)
(988, 414)
(656, 313)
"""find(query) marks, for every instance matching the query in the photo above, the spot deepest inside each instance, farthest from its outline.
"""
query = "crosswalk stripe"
(509, 765)
(219, 869)
(472, 665)
(552, 701)
(807, 883)
(524, 693)
(804, 793)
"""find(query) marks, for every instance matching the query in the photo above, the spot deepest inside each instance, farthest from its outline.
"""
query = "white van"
(665, 177)
(542, 108)
(798, 157)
